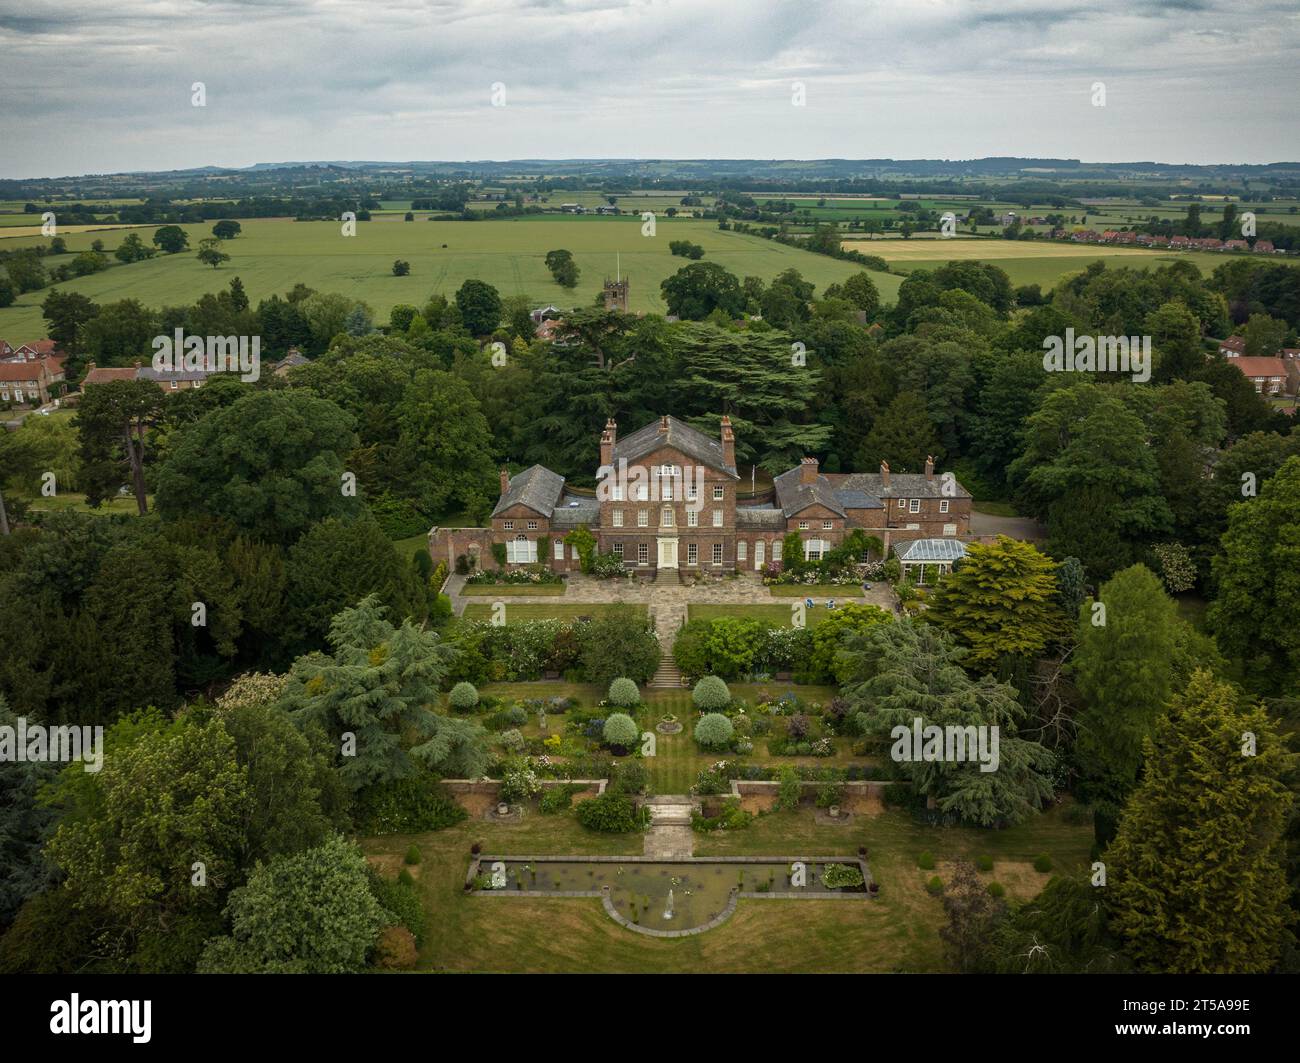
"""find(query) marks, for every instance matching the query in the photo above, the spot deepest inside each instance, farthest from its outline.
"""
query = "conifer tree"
(1196, 879)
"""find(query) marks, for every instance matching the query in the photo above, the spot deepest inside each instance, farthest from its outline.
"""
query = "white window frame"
(642, 493)
(691, 492)
(532, 525)
(667, 519)
(616, 518)
(643, 518)
(950, 529)
(717, 518)
(643, 553)
(717, 553)
(803, 525)
(828, 525)
(742, 551)
(508, 525)
(943, 505)
(617, 493)
(692, 553)
(719, 493)
(559, 550)
(777, 547)
(521, 550)
(618, 551)
(914, 505)
(902, 503)
(692, 518)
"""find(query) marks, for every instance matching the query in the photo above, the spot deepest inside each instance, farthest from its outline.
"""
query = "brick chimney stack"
(663, 425)
(808, 470)
(607, 439)
(884, 473)
(728, 443)
(929, 467)
(505, 480)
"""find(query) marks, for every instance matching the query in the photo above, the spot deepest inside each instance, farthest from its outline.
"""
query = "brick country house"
(668, 500)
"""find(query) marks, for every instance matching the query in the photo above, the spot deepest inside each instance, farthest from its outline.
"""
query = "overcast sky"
(105, 86)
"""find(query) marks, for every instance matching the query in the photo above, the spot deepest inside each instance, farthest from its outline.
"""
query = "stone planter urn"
(503, 809)
(835, 811)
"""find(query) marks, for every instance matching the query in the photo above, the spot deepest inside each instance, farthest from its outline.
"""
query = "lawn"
(777, 613)
(271, 255)
(516, 612)
(71, 500)
(896, 932)
(1025, 261)
(506, 590)
(815, 590)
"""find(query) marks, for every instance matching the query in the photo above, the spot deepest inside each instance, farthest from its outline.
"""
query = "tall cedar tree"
(112, 418)
(1258, 572)
(1196, 879)
(1000, 602)
(1123, 670)
(378, 684)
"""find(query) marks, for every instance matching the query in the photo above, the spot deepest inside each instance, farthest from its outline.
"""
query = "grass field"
(1026, 262)
(508, 590)
(778, 613)
(516, 612)
(272, 255)
(815, 590)
(898, 931)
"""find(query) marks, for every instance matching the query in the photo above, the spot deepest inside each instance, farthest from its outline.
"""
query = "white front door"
(667, 553)
(758, 554)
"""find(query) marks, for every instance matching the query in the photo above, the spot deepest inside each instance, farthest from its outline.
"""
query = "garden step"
(667, 674)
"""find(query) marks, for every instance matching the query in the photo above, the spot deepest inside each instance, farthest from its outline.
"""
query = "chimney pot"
(728, 443)
(884, 473)
(505, 479)
(663, 423)
(929, 467)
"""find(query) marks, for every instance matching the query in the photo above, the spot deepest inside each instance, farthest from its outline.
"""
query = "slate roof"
(161, 376)
(793, 495)
(759, 517)
(572, 510)
(850, 499)
(901, 485)
(931, 550)
(537, 488)
(680, 436)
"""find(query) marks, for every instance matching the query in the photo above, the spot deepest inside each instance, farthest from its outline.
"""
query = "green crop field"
(272, 255)
(1026, 262)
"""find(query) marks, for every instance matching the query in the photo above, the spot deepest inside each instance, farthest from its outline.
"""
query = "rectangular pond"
(670, 897)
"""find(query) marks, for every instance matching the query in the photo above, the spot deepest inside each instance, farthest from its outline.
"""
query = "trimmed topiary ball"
(621, 730)
(996, 889)
(463, 697)
(984, 863)
(714, 730)
(623, 693)
(935, 885)
(711, 693)
(925, 861)
(1043, 863)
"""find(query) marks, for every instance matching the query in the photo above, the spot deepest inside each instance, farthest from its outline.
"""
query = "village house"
(168, 380)
(669, 501)
(1269, 375)
(31, 373)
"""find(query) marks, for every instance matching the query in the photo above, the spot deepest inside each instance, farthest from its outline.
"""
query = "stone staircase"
(670, 836)
(667, 674)
(667, 577)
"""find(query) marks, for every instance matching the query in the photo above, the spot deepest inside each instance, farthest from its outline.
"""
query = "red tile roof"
(1259, 367)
